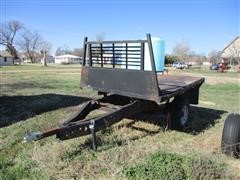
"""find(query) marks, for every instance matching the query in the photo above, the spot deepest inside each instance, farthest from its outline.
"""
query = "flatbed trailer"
(116, 69)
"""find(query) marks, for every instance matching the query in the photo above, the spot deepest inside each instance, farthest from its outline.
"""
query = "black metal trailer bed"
(172, 85)
(116, 69)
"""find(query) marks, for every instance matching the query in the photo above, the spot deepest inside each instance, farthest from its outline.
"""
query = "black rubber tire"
(177, 112)
(230, 144)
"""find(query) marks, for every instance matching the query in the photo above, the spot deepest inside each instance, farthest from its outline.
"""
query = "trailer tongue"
(115, 107)
(116, 70)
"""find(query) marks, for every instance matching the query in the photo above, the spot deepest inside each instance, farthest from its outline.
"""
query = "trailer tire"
(230, 144)
(179, 110)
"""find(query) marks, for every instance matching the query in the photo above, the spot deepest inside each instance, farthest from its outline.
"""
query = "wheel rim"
(184, 115)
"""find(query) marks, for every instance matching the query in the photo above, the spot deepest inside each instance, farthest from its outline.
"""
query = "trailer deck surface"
(171, 85)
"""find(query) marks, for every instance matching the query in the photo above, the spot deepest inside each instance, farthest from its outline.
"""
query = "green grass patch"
(162, 165)
(38, 66)
(22, 169)
(223, 96)
(36, 98)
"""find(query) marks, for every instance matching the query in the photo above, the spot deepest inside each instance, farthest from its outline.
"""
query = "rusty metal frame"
(83, 127)
(117, 107)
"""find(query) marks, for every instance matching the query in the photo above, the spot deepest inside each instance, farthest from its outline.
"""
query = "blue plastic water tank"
(159, 53)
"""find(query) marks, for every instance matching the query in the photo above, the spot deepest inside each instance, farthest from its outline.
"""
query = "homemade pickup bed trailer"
(116, 69)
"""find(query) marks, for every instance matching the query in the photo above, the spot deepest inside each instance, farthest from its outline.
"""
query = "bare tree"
(58, 52)
(30, 44)
(45, 49)
(63, 50)
(214, 56)
(197, 58)
(78, 52)
(8, 33)
(182, 51)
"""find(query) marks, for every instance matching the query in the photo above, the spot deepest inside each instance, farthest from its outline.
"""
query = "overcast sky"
(203, 24)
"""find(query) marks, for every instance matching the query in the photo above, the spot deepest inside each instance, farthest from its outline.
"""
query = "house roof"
(235, 39)
(232, 49)
(67, 56)
(5, 54)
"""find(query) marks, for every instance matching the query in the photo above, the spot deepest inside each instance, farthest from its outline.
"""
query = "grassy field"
(34, 98)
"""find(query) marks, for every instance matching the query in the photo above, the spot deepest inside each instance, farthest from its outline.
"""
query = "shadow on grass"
(201, 118)
(18, 108)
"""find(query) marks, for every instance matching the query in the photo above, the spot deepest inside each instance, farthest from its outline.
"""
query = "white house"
(206, 63)
(6, 59)
(67, 59)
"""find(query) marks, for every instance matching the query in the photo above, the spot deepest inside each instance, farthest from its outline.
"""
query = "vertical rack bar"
(113, 51)
(151, 53)
(142, 56)
(84, 50)
(149, 41)
(90, 55)
(126, 56)
(101, 50)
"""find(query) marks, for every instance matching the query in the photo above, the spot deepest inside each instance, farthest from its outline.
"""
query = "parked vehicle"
(224, 66)
(219, 66)
(214, 67)
(180, 65)
(125, 91)
(175, 64)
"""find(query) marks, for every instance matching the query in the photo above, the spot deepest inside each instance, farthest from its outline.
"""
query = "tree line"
(182, 51)
(16, 38)
(100, 36)
(66, 50)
